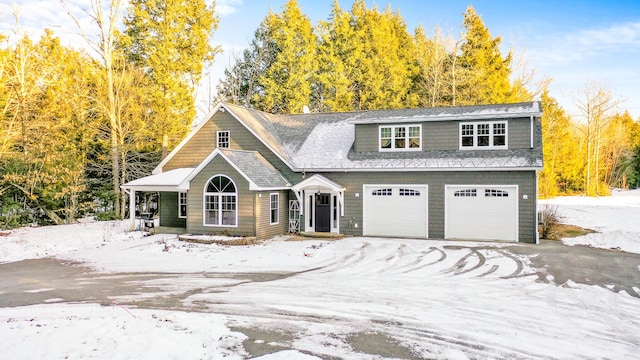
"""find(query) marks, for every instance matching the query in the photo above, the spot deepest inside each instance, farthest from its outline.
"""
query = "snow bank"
(98, 332)
(51, 241)
(616, 219)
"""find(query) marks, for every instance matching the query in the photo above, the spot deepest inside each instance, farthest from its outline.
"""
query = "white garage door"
(395, 210)
(481, 212)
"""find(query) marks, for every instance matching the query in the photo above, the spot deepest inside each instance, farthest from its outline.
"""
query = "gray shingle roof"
(256, 168)
(324, 141)
(479, 112)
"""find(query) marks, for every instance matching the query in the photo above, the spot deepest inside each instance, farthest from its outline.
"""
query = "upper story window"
(222, 139)
(401, 137)
(483, 135)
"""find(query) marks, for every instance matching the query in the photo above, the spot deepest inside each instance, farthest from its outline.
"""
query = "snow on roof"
(325, 140)
(171, 178)
(328, 143)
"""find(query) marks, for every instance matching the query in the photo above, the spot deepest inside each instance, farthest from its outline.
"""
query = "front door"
(323, 213)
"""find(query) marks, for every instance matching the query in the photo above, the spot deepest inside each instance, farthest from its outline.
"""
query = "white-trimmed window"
(401, 137)
(222, 139)
(220, 202)
(483, 135)
(182, 205)
(274, 208)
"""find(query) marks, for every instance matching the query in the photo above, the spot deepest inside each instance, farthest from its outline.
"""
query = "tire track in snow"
(460, 267)
(417, 263)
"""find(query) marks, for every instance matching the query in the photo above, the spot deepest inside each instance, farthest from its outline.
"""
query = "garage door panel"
(395, 210)
(478, 212)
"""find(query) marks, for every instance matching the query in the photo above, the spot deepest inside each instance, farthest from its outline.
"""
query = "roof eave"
(254, 187)
(154, 188)
(421, 169)
(465, 117)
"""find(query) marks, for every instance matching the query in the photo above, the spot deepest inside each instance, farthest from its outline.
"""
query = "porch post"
(132, 209)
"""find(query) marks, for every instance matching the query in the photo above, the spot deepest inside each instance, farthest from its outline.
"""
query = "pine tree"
(241, 80)
(618, 151)
(43, 163)
(170, 39)
(337, 52)
(484, 71)
(286, 85)
(385, 67)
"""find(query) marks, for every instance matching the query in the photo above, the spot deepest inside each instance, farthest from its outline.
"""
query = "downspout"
(535, 207)
(531, 131)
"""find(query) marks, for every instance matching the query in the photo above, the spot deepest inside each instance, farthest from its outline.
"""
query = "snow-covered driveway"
(357, 298)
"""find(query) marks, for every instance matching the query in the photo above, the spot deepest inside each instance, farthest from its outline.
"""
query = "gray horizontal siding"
(204, 142)
(264, 228)
(519, 133)
(168, 210)
(436, 181)
(195, 201)
(443, 135)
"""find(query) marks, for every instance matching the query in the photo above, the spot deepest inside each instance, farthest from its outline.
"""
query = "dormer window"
(222, 139)
(401, 137)
(483, 135)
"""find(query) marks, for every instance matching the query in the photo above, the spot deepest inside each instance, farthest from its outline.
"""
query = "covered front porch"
(172, 190)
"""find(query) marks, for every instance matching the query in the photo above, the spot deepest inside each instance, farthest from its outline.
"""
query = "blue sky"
(574, 43)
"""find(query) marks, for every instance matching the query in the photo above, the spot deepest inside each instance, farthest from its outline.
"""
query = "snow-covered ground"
(615, 218)
(439, 299)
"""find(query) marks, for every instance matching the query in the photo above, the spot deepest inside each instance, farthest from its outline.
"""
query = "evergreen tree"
(385, 68)
(241, 81)
(484, 71)
(42, 167)
(618, 151)
(170, 40)
(285, 87)
(337, 54)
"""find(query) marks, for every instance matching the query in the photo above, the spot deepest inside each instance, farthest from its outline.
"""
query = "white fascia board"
(316, 180)
(257, 188)
(152, 188)
(158, 169)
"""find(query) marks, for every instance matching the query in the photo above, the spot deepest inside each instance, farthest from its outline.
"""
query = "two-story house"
(467, 172)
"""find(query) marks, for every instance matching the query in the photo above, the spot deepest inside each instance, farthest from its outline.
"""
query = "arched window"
(220, 202)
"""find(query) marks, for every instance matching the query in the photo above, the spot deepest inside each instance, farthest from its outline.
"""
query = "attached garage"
(481, 212)
(395, 210)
